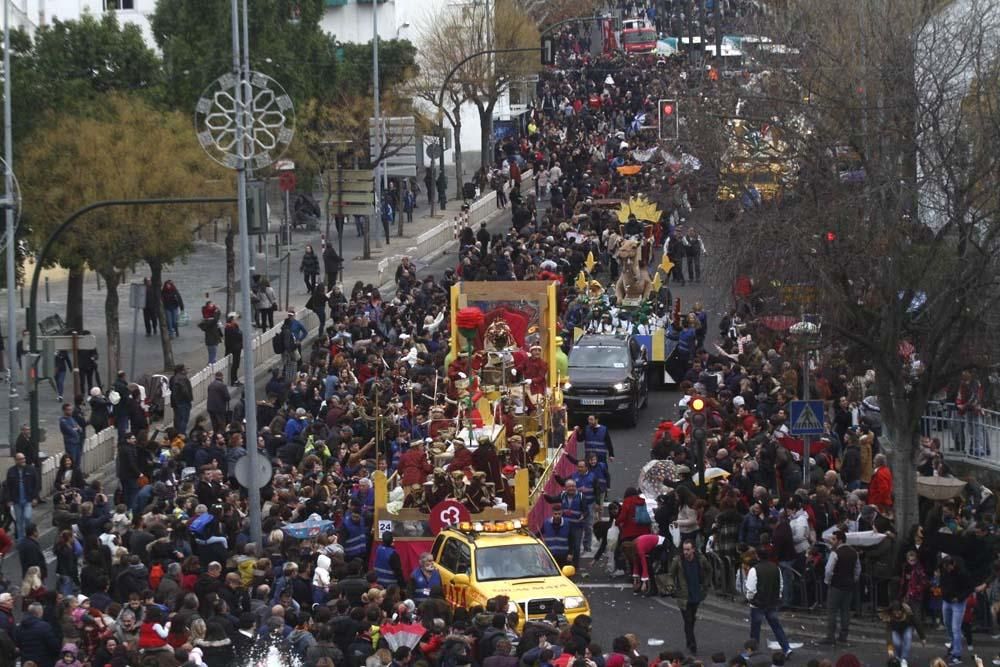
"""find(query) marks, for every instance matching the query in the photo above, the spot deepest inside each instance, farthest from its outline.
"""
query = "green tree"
(196, 42)
(68, 67)
(70, 64)
(73, 161)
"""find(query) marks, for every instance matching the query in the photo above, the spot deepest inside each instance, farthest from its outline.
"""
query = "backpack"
(199, 527)
(278, 343)
(642, 515)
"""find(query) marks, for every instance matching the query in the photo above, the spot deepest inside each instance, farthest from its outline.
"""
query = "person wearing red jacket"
(629, 528)
(880, 487)
(628, 525)
(414, 466)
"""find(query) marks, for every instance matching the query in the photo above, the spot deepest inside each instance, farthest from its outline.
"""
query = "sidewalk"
(201, 275)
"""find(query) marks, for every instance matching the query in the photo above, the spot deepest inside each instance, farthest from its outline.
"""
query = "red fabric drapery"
(409, 554)
(542, 510)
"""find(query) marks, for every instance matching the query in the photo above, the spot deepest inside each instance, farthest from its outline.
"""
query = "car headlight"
(574, 602)
(567, 386)
(622, 386)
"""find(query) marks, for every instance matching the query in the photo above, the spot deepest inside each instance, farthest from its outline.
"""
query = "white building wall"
(351, 22)
(409, 19)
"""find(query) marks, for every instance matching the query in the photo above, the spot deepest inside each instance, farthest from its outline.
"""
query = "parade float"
(635, 291)
(501, 411)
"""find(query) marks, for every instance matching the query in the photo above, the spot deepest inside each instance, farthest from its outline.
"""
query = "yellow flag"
(666, 265)
(591, 262)
(485, 411)
(577, 333)
(657, 283)
(581, 282)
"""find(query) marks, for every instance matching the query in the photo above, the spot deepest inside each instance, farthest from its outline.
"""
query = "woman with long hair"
(32, 587)
(68, 475)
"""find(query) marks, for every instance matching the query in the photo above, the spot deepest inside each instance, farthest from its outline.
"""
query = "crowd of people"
(162, 570)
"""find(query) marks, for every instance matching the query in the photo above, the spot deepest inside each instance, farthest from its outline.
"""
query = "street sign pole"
(806, 439)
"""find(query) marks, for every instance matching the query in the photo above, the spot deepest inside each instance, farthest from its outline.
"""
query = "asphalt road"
(723, 624)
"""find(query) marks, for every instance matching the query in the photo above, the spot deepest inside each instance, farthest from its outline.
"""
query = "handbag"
(675, 534)
(183, 319)
(642, 515)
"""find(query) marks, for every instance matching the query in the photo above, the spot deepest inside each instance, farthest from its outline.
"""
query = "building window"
(118, 4)
(335, 3)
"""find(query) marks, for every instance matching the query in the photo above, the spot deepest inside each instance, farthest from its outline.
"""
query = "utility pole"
(378, 126)
(8, 154)
(249, 386)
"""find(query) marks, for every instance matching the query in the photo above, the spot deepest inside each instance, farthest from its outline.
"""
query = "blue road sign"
(806, 418)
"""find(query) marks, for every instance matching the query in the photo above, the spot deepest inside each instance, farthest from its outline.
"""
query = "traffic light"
(829, 240)
(699, 420)
(699, 434)
(668, 113)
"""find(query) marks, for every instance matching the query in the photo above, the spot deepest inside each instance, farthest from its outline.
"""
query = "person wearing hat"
(763, 589)
(536, 369)
(462, 459)
(414, 466)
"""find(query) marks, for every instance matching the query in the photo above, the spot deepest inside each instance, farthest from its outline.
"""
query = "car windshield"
(598, 356)
(639, 37)
(518, 561)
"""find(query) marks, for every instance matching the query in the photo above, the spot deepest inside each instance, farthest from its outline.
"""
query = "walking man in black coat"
(30, 552)
(763, 591)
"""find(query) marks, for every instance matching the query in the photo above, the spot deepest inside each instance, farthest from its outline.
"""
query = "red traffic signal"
(830, 237)
(668, 109)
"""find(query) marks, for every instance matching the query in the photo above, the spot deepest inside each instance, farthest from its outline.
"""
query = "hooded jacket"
(321, 577)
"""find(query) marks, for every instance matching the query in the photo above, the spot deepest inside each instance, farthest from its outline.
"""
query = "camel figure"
(633, 283)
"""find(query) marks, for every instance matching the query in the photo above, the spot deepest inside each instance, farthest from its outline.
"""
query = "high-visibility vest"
(383, 567)
(595, 440)
(357, 537)
(556, 538)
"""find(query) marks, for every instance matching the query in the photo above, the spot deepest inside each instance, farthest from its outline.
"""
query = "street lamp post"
(8, 151)
(245, 120)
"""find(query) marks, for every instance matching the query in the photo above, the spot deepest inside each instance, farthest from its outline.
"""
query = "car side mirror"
(568, 571)
(460, 580)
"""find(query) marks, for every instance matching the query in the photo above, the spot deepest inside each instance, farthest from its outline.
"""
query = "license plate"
(591, 401)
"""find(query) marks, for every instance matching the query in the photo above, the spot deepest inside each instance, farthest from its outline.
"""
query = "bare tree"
(905, 262)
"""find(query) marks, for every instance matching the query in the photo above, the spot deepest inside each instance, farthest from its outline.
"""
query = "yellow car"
(480, 561)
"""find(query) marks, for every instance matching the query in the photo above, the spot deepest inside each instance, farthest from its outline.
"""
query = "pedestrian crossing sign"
(806, 418)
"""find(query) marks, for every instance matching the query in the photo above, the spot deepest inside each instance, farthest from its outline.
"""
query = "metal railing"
(972, 438)
(99, 449)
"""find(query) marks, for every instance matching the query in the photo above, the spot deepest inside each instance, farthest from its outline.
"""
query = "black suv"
(607, 375)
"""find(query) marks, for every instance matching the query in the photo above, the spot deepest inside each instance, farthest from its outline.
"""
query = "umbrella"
(939, 488)
(654, 476)
(712, 474)
(402, 634)
(311, 527)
